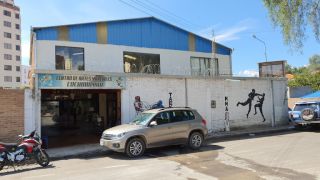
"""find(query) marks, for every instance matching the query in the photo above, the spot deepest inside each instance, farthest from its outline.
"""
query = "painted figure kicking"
(259, 105)
(251, 96)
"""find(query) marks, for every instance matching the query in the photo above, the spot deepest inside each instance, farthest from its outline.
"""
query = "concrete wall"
(11, 114)
(109, 58)
(198, 93)
(297, 92)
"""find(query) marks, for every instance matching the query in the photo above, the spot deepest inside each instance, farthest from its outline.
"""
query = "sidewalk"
(96, 149)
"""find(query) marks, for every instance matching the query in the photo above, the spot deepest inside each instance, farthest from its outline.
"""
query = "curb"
(253, 133)
(97, 150)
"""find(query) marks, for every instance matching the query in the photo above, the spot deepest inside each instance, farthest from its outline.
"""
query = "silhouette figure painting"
(251, 96)
(259, 105)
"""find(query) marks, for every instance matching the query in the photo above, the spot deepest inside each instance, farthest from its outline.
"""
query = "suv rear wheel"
(135, 147)
(195, 140)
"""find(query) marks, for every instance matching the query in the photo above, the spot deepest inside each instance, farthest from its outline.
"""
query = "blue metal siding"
(165, 36)
(203, 45)
(83, 33)
(47, 34)
(223, 50)
(147, 33)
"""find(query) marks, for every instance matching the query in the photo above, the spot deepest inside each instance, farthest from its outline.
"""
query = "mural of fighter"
(251, 96)
(259, 105)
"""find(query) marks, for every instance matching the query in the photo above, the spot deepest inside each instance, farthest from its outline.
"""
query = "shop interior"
(72, 117)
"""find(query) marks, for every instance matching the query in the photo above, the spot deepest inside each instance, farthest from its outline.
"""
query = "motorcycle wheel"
(42, 158)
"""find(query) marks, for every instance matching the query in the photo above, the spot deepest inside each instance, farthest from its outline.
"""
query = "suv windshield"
(300, 107)
(142, 119)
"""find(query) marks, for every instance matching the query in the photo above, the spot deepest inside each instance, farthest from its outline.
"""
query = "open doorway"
(70, 117)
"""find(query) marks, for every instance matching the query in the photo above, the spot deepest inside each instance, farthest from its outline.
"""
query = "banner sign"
(62, 81)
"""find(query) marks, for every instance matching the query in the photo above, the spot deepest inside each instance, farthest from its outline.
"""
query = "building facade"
(89, 77)
(10, 45)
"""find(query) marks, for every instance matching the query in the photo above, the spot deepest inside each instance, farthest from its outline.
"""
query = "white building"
(86, 72)
(10, 45)
(25, 73)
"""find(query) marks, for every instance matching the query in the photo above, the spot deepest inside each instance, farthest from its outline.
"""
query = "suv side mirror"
(153, 123)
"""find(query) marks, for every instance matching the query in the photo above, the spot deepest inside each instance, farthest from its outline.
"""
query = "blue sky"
(234, 22)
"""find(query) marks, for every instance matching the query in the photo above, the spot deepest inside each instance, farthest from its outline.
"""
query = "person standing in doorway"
(251, 96)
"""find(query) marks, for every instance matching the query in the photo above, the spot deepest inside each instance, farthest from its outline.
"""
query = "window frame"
(7, 57)
(83, 57)
(7, 46)
(9, 67)
(140, 55)
(6, 80)
(18, 68)
(7, 24)
(18, 48)
(7, 13)
(7, 35)
(17, 79)
(208, 62)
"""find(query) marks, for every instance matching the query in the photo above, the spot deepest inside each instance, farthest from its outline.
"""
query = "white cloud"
(228, 34)
(248, 73)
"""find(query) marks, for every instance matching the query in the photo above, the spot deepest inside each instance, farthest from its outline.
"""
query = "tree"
(314, 63)
(293, 17)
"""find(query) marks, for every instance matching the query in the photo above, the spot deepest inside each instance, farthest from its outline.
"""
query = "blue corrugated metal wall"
(83, 33)
(145, 32)
(47, 34)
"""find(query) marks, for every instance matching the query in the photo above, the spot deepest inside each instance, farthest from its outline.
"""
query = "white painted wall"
(109, 58)
(201, 91)
(29, 113)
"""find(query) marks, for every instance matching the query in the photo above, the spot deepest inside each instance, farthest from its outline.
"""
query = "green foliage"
(306, 79)
(306, 76)
(314, 63)
(293, 17)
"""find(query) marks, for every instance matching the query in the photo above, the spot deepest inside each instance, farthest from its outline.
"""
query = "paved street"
(290, 155)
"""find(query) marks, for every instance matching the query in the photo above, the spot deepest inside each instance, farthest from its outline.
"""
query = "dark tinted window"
(181, 115)
(162, 118)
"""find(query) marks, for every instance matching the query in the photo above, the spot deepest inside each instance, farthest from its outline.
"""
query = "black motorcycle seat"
(9, 146)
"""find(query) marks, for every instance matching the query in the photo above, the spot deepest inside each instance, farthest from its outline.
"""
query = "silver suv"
(155, 128)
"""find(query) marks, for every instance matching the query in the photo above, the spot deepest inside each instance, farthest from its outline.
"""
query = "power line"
(135, 7)
(172, 14)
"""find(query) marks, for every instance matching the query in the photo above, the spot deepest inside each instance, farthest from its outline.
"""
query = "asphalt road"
(290, 155)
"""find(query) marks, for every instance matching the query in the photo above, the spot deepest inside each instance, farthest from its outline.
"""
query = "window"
(7, 79)
(17, 37)
(204, 66)
(7, 35)
(7, 24)
(17, 26)
(18, 58)
(7, 46)
(18, 68)
(178, 116)
(7, 13)
(17, 79)
(69, 58)
(18, 47)
(7, 67)
(7, 56)
(162, 118)
(141, 63)
(17, 16)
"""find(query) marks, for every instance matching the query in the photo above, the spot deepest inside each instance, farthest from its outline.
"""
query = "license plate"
(101, 142)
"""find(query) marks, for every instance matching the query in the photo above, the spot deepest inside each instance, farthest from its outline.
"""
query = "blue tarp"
(312, 95)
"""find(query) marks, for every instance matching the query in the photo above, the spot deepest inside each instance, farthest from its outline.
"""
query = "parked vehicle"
(28, 148)
(305, 113)
(155, 128)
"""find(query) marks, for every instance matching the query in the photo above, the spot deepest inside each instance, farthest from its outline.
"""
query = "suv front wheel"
(135, 147)
(195, 140)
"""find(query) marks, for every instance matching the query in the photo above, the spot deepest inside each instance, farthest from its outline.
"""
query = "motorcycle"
(28, 148)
